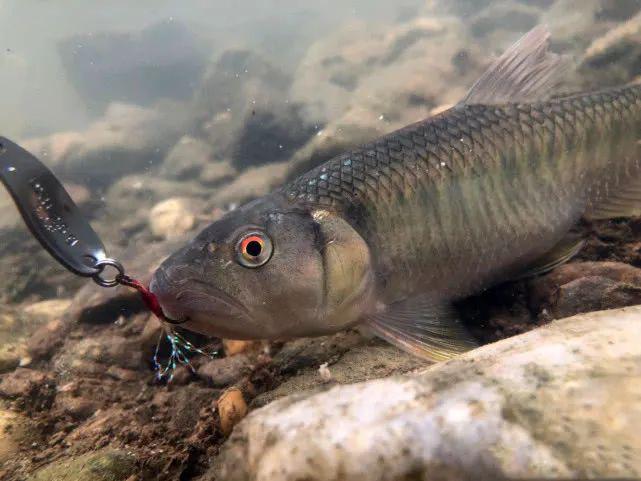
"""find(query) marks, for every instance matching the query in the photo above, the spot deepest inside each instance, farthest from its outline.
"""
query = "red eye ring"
(249, 248)
(253, 249)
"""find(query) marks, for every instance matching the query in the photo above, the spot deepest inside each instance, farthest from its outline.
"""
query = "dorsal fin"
(526, 71)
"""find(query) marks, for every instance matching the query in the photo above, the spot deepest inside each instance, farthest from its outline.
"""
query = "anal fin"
(561, 253)
(624, 201)
(423, 327)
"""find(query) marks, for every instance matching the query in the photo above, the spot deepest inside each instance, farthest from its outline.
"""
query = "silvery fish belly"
(388, 235)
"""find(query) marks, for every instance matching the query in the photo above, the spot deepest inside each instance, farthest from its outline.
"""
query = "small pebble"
(324, 372)
(232, 346)
(232, 408)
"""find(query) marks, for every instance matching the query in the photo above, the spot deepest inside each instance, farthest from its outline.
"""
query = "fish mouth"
(185, 298)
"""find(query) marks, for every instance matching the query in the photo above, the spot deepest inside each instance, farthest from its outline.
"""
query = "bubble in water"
(11, 169)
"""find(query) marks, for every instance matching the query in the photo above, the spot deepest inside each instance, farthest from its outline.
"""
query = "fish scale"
(524, 172)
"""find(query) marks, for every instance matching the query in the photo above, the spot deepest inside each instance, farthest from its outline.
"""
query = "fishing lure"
(56, 221)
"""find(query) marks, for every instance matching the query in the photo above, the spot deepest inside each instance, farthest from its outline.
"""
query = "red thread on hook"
(148, 297)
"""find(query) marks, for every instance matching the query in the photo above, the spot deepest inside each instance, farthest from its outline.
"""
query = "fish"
(388, 236)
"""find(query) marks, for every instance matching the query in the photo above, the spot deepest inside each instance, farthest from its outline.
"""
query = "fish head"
(268, 270)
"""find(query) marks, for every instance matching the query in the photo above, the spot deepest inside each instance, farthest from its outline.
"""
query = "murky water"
(159, 117)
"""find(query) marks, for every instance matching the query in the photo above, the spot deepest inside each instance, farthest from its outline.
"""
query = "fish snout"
(166, 293)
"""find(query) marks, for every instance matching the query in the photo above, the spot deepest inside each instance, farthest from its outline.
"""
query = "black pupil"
(253, 248)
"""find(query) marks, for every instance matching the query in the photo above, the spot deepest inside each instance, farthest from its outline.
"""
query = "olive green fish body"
(460, 201)
(389, 234)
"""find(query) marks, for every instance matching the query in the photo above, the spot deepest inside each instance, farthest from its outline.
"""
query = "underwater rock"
(348, 81)
(511, 16)
(172, 217)
(185, 405)
(559, 401)
(77, 407)
(232, 346)
(225, 371)
(50, 327)
(249, 118)
(193, 158)
(19, 329)
(232, 408)
(95, 355)
(28, 271)
(23, 382)
(46, 339)
(586, 286)
(48, 310)
(251, 183)
(186, 159)
(619, 10)
(129, 200)
(11, 348)
(103, 465)
(615, 57)
(163, 60)
(352, 69)
(216, 173)
(594, 293)
(127, 139)
(10, 356)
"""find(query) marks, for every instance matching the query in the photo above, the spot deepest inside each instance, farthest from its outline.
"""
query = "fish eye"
(253, 249)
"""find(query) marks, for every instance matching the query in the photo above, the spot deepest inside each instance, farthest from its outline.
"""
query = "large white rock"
(560, 401)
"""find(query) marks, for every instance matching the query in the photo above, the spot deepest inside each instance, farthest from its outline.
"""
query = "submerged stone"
(563, 400)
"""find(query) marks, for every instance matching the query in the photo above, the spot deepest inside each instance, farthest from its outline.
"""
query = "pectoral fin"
(558, 255)
(423, 327)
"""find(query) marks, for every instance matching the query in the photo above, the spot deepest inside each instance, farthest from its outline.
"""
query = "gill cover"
(346, 262)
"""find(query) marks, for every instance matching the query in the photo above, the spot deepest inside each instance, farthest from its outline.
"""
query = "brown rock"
(122, 374)
(50, 309)
(585, 286)
(77, 407)
(95, 355)
(581, 295)
(173, 217)
(232, 408)
(102, 421)
(235, 347)
(621, 295)
(22, 382)
(46, 339)
(224, 371)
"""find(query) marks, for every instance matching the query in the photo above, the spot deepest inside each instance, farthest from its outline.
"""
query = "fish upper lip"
(223, 297)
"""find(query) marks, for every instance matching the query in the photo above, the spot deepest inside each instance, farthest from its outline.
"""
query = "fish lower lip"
(176, 322)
